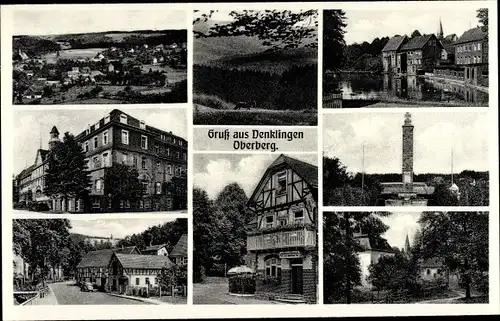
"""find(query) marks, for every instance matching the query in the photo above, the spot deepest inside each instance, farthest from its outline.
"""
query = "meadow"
(90, 53)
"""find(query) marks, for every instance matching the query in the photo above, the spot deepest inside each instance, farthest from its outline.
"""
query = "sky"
(212, 172)
(401, 224)
(367, 25)
(119, 228)
(96, 18)
(33, 127)
(435, 133)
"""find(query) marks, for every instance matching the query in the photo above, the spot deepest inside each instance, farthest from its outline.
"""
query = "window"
(137, 281)
(105, 160)
(142, 125)
(145, 186)
(479, 46)
(124, 159)
(87, 131)
(428, 271)
(269, 221)
(157, 148)
(298, 216)
(178, 155)
(273, 268)
(177, 171)
(158, 188)
(281, 188)
(147, 281)
(125, 137)
(283, 221)
(184, 156)
(143, 163)
(95, 162)
(98, 185)
(105, 138)
(169, 170)
(144, 142)
(147, 203)
(123, 119)
(86, 146)
(97, 125)
(180, 142)
(158, 166)
(127, 203)
(106, 119)
(95, 142)
(168, 151)
(174, 140)
(96, 202)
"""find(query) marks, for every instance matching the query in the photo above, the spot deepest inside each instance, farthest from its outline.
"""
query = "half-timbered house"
(282, 239)
(137, 270)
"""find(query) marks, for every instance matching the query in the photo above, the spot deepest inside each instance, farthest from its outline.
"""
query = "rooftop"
(417, 42)
(474, 34)
(180, 249)
(394, 43)
(138, 261)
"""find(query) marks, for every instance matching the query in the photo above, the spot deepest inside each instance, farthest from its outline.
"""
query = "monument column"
(407, 151)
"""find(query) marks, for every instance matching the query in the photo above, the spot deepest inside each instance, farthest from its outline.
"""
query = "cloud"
(401, 225)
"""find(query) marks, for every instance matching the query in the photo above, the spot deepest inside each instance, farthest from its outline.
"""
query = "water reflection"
(415, 88)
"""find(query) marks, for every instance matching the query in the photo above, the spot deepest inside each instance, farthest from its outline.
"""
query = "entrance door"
(297, 276)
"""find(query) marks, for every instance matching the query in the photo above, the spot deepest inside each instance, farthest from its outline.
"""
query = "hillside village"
(53, 73)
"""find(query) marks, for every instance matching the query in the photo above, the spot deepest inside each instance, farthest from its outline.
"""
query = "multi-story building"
(159, 249)
(372, 248)
(282, 239)
(422, 53)
(471, 52)
(160, 158)
(392, 61)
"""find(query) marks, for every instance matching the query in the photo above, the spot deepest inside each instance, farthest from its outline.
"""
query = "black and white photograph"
(101, 55)
(406, 159)
(96, 161)
(255, 229)
(406, 58)
(423, 258)
(255, 67)
(99, 262)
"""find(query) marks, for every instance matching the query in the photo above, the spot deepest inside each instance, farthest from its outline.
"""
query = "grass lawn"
(72, 54)
(209, 116)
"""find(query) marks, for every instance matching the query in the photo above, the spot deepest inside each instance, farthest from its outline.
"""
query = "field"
(173, 75)
(209, 116)
(72, 54)
(71, 95)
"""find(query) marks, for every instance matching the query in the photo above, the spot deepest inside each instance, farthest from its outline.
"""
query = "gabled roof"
(434, 262)
(394, 43)
(417, 42)
(153, 248)
(100, 258)
(448, 45)
(180, 249)
(138, 261)
(473, 34)
(306, 171)
(374, 243)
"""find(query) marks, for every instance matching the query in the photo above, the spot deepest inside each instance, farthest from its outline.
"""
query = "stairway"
(291, 298)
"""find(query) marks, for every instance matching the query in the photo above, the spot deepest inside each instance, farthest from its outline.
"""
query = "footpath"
(145, 300)
(48, 298)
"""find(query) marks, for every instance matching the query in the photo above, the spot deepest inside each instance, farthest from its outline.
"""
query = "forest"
(295, 89)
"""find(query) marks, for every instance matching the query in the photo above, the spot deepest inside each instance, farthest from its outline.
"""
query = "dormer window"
(123, 119)
(96, 127)
(281, 184)
(144, 142)
(142, 125)
(298, 216)
(87, 131)
(107, 119)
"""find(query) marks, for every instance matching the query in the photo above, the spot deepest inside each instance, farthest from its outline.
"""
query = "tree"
(333, 39)
(204, 233)
(66, 174)
(43, 244)
(334, 173)
(121, 182)
(415, 33)
(461, 239)
(276, 29)
(482, 16)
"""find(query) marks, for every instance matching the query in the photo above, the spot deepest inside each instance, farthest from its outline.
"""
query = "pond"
(414, 89)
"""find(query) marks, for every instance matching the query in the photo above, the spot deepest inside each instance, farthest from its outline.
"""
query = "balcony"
(282, 239)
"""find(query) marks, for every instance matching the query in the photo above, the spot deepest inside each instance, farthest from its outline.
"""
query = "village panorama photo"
(111, 55)
(96, 161)
(255, 67)
(255, 229)
(99, 262)
(406, 58)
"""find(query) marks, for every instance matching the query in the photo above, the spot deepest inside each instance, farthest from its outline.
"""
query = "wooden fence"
(332, 100)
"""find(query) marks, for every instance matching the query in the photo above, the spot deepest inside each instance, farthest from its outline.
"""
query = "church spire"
(440, 34)
(407, 245)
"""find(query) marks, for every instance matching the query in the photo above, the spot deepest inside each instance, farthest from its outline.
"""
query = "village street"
(67, 293)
